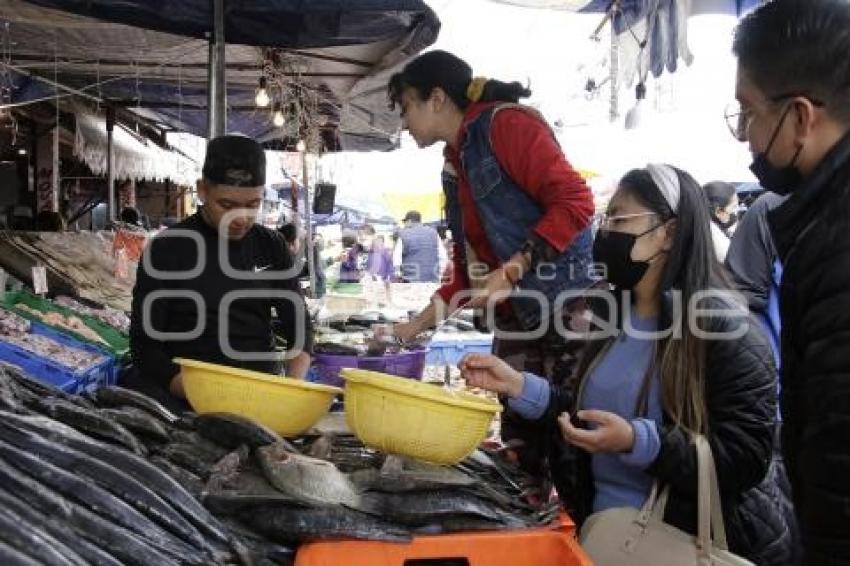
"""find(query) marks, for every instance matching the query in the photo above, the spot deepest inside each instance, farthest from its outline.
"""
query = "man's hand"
(612, 433)
(176, 386)
(298, 366)
(489, 372)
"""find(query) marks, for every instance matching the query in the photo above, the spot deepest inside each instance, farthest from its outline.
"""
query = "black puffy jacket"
(741, 397)
(811, 231)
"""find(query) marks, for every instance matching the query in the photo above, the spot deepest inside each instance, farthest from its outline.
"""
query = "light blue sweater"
(614, 386)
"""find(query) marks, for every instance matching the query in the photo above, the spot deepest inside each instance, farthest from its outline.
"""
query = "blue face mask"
(779, 180)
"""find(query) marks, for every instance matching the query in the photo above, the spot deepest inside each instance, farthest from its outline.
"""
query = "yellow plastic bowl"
(287, 406)
(410, 418)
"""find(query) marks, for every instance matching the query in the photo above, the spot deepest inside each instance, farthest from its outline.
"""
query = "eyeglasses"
(738, 119)
(608, 222)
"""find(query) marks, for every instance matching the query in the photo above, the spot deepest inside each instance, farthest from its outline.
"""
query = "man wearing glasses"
(793, 89)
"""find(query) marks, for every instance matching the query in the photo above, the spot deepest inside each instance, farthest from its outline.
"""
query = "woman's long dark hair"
(441, 69)
(691, 267)
(718, 194)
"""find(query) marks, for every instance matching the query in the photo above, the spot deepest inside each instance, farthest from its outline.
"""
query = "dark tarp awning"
(328, 61)
(295, 24)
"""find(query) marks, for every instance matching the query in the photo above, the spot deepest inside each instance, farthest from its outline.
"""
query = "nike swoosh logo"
(258, 269)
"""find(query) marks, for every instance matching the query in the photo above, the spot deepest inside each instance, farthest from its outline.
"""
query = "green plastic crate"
(118, 342)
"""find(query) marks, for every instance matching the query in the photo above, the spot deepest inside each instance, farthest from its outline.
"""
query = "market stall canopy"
(135, 156)
(326, 62)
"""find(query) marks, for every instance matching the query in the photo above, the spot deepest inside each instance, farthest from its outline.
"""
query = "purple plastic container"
(404, 364)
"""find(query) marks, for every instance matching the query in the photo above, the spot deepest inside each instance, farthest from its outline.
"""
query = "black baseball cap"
(236, 161)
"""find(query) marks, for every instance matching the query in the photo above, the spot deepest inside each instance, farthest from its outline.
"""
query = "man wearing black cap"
(207, 287)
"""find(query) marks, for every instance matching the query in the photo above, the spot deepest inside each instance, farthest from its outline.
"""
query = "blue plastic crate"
(67, 379)
(450, 352)
(115, 365)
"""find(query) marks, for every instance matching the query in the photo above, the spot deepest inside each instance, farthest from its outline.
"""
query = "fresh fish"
(405, 474)
(39, 389)
(262, 550)
(30, 539)
(90, 553)
(89, 422)
(113, 396)
(208, 450)
(231, 431)
(93, 497)
(148, 474)
(9, 400)
(123, 544)
(416, 508)
(237, 483)
(321, 448)
(190, 482)
(138, 421)
(186, 422)
(313, 481)
(10, 556)
(292, 525)
(189, 457)
(111, 479)
(460, 524)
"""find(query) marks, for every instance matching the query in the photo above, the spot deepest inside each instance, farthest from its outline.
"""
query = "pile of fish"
(15, 330)
(113, 317)
(59, 320)
(114, 477)
(84, 258)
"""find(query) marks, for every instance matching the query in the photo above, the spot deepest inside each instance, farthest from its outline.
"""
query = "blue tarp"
(295, 24)
(340, 48)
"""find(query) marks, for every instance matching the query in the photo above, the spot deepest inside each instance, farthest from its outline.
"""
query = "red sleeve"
(456, 281)
(527, 151)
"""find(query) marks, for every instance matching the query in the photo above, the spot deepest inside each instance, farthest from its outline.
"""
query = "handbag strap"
(654, 505)
(710, 510)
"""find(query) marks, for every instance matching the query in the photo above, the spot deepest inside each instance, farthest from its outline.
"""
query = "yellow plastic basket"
(407, 417)
(287, 406)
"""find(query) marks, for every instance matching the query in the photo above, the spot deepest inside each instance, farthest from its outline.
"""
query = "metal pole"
(217, 87)
(110, 161)
(311, 265)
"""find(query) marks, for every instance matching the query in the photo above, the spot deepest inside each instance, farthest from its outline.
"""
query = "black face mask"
(733, 219)
(614, 250)
(779, 180)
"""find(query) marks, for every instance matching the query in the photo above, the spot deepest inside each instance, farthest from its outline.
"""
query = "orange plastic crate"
(554, 545)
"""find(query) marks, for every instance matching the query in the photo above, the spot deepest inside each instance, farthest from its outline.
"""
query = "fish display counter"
(112, 477)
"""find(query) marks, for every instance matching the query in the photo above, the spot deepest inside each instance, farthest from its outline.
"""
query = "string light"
(262, 99)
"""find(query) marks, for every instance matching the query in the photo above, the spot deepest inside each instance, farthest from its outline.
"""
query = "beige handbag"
(629, 537)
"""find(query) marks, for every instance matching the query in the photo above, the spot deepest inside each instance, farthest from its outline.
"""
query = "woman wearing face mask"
(626, 416)
(723, 206)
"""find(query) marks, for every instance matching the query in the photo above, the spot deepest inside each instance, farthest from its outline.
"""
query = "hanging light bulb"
(301, 145)
(279, 119)
(635, 114)
(262, 98)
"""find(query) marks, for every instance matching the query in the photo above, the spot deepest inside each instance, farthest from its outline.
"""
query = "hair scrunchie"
(476, 88)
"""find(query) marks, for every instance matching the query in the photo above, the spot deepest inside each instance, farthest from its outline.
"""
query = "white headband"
(667, 181)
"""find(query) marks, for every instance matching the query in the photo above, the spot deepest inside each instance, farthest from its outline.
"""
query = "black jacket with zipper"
(810, 231)
(740, 391)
